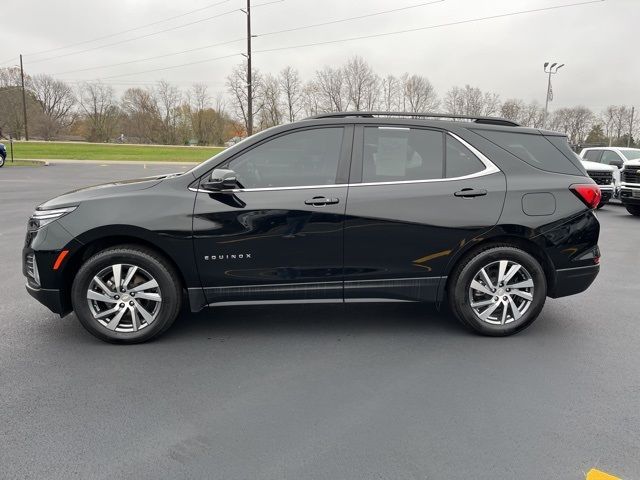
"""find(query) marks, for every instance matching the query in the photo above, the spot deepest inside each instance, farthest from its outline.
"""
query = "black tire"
(470, 266)
(2, 161)
(633, 209)
(169, 288)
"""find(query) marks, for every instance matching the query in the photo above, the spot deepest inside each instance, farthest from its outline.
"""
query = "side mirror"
(221, 179)
(616, 162)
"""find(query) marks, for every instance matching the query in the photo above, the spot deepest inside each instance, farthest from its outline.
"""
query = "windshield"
(631, 154)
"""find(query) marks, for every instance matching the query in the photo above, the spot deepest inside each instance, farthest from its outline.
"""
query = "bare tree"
(169, 99)
(575, 122)
(471, 101)
(141, 115)
(237, 88)
(513, 109)
(292, 91)
(391, 94)
(362, 84)
(533, 115)
(331, 89)
(271, 113)
(310, 99)
(11, 111)
(418, 94)
(56, 100)
(100, 111)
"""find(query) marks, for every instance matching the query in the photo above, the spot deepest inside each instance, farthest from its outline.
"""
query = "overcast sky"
(598, 42)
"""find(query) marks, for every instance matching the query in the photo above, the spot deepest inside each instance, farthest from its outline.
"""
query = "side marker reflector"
(61, 257)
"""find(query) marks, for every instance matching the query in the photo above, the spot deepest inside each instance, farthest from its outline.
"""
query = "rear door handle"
(321, 201)
(470, 193)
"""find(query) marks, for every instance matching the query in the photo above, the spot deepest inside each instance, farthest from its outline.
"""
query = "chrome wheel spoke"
(141, 310)
(504, 315)
(93, 295)
(521, 294)
(135, 323)
(514, 309)
(502, 268)
(101, 284)
(145, 286)
(115, 321)
(130, 273)
(117, 272)
(486, 279)
(483, 303)
(484, 315)
(524, 284)
(106, 313)
(154, 297)
(512, 271)
(480, 288)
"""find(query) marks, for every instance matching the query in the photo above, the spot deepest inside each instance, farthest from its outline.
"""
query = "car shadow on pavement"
(312, 319)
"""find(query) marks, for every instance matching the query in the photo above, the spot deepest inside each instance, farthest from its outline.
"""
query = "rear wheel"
(1, 161)
(498, 291)
(633, 209)
(126, 294)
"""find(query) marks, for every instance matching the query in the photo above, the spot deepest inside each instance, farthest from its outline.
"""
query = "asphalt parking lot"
(319, 392)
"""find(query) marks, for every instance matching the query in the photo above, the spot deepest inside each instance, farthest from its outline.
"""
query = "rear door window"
(402, 154)
(545, 153)
(459, 160)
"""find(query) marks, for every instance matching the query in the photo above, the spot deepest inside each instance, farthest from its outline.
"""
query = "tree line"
(166, 114)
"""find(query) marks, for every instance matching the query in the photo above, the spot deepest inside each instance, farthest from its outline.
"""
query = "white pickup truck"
(603, 175)
(626, 172)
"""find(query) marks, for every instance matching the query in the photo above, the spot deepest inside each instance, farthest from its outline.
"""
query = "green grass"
(107, 151)
(22, 163)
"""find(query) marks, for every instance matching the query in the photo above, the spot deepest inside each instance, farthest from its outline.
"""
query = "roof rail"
(474, 118)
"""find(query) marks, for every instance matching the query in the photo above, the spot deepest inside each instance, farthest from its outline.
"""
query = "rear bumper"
(50, 298)
(570, 281)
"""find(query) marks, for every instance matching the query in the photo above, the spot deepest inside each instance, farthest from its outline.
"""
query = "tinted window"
(609, 155)
(396, 154)
(593, 155)
(306, 157)
(460, 161)
(536, 150)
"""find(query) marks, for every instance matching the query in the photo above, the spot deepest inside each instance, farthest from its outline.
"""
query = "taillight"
(589, 193)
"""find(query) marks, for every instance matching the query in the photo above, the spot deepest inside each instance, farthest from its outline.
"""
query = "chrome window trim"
(490, 168)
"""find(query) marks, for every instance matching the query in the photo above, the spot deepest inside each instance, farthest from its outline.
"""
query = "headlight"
(40, 218)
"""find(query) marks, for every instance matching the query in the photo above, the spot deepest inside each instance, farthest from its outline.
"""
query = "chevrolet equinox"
(478, 213)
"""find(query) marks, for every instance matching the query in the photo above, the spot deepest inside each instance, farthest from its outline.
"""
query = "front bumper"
(570, 281)
(630, 193)
(607, 193)
(50, 298)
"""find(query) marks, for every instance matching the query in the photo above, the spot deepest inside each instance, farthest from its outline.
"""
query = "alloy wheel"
(124, 298)
(501, 292)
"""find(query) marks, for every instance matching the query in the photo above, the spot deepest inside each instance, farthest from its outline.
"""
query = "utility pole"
(24, 102)
(633, 110)
(551, 70)
(249, 86)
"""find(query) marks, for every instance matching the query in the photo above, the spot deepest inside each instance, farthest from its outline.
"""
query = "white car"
(603, 175)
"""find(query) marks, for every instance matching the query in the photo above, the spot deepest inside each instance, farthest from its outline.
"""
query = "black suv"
(350, 207)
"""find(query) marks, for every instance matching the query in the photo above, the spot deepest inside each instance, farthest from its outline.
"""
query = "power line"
(111, 35)
(429, 27)
(152, 33)
(171, 67)
(151, 58)
(342, 20)
(119, 42)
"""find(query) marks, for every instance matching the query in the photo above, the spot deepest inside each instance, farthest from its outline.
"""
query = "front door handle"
(470, 193)
(321, 201)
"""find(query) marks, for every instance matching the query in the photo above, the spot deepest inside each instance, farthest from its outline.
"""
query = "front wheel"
(2, 161)
(633, 209)
(499, 291)
(126, 294)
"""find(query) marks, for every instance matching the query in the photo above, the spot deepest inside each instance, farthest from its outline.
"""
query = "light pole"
(550, 69)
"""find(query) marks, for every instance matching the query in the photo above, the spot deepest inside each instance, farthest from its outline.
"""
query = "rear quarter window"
(551, 154)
